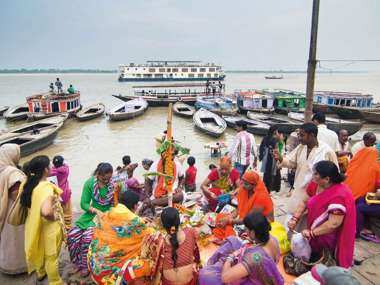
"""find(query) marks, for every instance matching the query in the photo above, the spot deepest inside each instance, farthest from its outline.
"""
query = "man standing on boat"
(325, 135)
(58, 84)
(243, 151)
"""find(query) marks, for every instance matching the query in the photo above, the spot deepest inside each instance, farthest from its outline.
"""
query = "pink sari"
(336, 198)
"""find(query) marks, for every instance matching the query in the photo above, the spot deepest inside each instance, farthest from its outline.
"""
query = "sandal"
(370, 237)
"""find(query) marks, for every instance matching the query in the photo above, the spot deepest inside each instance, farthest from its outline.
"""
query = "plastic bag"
(300, 247)
(278, 231)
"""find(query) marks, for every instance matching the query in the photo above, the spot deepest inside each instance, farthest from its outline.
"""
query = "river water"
(85, 144)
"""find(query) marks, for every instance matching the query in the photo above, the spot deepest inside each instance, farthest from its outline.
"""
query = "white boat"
(16, 113)
(91, 112)
(171, 71)
(3, 110)
(183, 110)
(209, 122)
(34, 136)
(128, 110)
(254, 100)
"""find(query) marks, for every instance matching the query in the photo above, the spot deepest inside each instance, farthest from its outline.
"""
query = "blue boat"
(220, 105)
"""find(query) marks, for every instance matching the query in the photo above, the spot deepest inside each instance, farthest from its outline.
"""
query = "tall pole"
(312, 62)
(169, 161)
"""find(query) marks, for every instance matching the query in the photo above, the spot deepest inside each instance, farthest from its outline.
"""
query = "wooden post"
(312, 62)
(169, 161)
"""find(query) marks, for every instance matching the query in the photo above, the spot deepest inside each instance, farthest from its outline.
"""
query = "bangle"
(230, 258)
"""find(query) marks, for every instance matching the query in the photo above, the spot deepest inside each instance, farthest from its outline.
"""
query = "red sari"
(337, 198)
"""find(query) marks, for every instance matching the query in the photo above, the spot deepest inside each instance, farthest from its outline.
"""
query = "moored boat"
(332, 123)
(254, 100)
(16, 113)
(253, 126)
(128, 110)
(3, 110)
(285, 125)
(34, 136)
(209, 122)
(220, 105)
(183, 110)
(371, 116)
(91, 112)
(287, 100)
(274, 77)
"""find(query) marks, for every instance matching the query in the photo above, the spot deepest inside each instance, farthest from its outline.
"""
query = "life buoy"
(179, 99)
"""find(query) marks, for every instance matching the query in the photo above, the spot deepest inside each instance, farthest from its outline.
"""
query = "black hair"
(310, 128)
(170, 218)
(212, 166)
(147, 161)
(126, 160)
(103, 168)
(34, 171)
(368, 136)
(191, 160)
(319, 117)
(58, 161)
(257, 222)
(328, 169)
(242, 124)
(129, 199)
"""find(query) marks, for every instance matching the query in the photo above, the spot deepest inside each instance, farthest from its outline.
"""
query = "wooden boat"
(285, 125)
(274, 77)
(164, 94)
(220, 105)
(254, 100)
(32, 117)
(3, 110)
(128, 110)
(16, 113)
(287, 100)
(91, 112)
(332, 123)
(371, 116)
(34, 136)
(347, 105)
(209, 122)
(183, 110)
(253, 126)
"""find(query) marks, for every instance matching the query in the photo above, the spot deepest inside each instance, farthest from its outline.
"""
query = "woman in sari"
(124, 248)
(44, 225)
(223, 180)
(11, 237)
(331, 214)
(97, 198)
(180, 252)
(252, 263)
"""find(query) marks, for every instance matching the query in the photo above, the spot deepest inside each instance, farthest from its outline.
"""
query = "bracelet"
(230, 258)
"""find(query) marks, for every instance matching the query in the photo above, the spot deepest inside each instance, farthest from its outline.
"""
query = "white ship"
(171, 71)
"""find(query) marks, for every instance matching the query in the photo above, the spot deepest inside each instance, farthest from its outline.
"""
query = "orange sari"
(363, 172)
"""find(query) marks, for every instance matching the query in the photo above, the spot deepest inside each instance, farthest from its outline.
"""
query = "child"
(191, 175)
(212, 166)
(61, 171)
(131, 183)
(122, 171)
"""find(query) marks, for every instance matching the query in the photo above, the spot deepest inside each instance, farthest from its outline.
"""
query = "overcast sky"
(239, 34)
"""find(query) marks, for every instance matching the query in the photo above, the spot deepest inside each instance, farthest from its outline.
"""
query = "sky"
(238, 34)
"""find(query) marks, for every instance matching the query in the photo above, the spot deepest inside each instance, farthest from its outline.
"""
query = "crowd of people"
(127, 234)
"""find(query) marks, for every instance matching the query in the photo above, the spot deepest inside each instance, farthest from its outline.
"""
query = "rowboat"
(19, 112)
(209, 122)
(3, 110)
(183, 110)
(91, 112)
(333, 124)
(371, 116)
(284, 124)
(220, 105)
(253, 126)
(128, 110)
(34, 136)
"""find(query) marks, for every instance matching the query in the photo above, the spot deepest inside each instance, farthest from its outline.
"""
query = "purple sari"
(261, 268)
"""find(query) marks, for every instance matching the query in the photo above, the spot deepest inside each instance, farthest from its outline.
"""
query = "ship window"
(138, 75)
(147, 75)
(215, 74)
(161, 69)
(175, 69)
(191, 75)
(159, 75)
(202, 69)
(200, 75)
(208, 74)
(193, 70)
(136, 68)
(211, 69)
(168, 70)
(152, 70)
(68, 106)
(185, 69)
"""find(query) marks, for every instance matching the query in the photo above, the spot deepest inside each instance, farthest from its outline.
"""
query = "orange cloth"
(160, 190)
(223, 233)
(259, 199)
(363, 172)
(225, 162)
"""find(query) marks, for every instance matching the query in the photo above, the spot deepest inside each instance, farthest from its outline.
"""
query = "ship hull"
(122, 79)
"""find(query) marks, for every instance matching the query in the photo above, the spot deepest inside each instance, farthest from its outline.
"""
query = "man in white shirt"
(369, 139)
(324, 134)
(243, 151)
